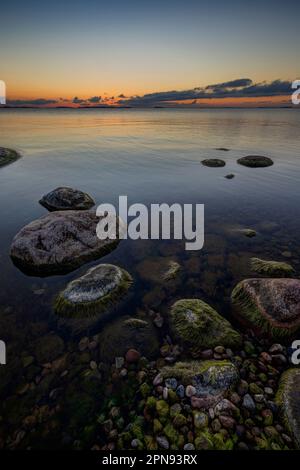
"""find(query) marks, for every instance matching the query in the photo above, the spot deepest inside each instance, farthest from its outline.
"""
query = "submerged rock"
(213, 162)
(124, 334)
(59, 242)
(8, 156)
(158, 269)
(255, 161)
(230, 176)
(223, 149)
(269, 306)
(94, 292)
(63, 199)
(287, 399)
(212, 380)
(248, 232)
(196, 326)
(271, 268)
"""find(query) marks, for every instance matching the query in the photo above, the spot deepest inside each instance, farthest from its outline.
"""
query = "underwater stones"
(8, 156)
(158, 269)
(48, 347)
(59, 242)
(95, 292)
(211, 379)
(248, 232)
(287, 399)
(196, 326)
(126, 333)
(64, 198)
(213, 162)
(255, 161)
(271, 268)
(269, 306)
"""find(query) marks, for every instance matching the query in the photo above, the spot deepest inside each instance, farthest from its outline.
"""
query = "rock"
(276, 349)
(248, 232)
(158, 379)
(269, 306)
(171, 383)
(119, 362)
(188, 446)
(158, 269)
(127, 333)
(213, 162)
(132, 356)
(230, 176)
(8, 156)
(64, 199)
(212, 380)
(162, 442)
(180, 391)
(48, 347)
(200, 420)
(162, 409)
(227, 422)
(195, 325)
(95, 292)
(248, 403)
(59, 242)
(271, 268)
(287, 399)
(222, 149)
(190, 391)
(255, 161)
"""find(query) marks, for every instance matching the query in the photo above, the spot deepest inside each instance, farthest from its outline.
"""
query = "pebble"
(219, 350)
(276, 349)
(123, 372)
(158, 379)
(200, 420)
(165, 393)
(227, 422)
(163, 442)
(190, 391)
(132, 356)
(180, 391)
(158, 321)
(135, 443)
(119, 362)
(248, 403)
(93, 365)
(171, 383)
(207, 354)
(83, 344)
(189, 446)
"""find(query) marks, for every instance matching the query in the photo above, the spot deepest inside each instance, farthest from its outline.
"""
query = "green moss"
(204, 441)
(150, 443)
(162, 409)
(145, 390)
(186, 371)
(179, 421)
(171, 433)
(271, 268)
(157, 426)
(151, 403)
(196, 325)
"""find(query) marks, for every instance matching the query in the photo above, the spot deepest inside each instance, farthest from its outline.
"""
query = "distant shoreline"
(148, 108)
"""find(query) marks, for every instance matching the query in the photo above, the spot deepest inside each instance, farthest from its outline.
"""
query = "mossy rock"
(8, 156)
(100, 288)
(128, 333)
(197, 326)
(255, 161)
(158, 269)
(64, 198)
(288, 399)
(271, 307)
(213, 162)
(271, 268)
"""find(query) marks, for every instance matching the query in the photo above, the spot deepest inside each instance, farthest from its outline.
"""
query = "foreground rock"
(213, 162)
(196, 325)
(64, 199)
(59, 242)
(271, 268)
(8, 156)
(268, 306)
(126, 334)
(95, 292)
(288, 400)
(211, 380)
(255, 161)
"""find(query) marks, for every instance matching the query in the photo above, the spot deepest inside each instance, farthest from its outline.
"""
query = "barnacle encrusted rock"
(269, 306)
(211, 379)
(95, 292)
(64, 198)
(196, 326)
(8, 156)
(59, 242)
(127, 333)
(288, 399)
(271, 268)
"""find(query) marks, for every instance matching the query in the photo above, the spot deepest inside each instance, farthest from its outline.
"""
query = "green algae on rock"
(271, 268)
(127, 333)
(287, 399)
(255, 161)
(213, 162)
(8, 156)
(158, 269)
(64, 198)
(95, 292)
(196, 326)
(270, 306)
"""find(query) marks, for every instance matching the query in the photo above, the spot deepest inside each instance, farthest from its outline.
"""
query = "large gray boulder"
(64, 199)
(59, 242)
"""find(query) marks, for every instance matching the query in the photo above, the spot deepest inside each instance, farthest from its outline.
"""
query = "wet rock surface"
(255, 161)
(8, 156)
(213, 162)
(64, 198)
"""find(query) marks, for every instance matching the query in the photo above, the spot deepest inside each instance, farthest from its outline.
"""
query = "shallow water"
(152, 156)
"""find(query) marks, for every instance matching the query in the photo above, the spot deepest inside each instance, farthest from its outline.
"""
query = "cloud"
(94, 99)
(77, 100)
(240, 88)
(35, 102)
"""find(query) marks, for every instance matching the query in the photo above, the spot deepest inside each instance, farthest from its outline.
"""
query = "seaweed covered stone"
(8, 156)
(128, 333)
(95, 292)
(271, 268)
(197, 326)
(64, 198)
(212, 380)
(59, 242)
(255, 161)
(287, 399)
(271, 307)
(213, 162)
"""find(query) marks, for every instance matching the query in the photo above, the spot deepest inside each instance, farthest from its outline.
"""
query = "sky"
(129, 52)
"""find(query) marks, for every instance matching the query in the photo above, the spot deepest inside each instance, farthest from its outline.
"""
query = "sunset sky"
(97, 52)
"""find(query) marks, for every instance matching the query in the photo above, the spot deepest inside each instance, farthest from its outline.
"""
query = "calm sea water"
(152, 156)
